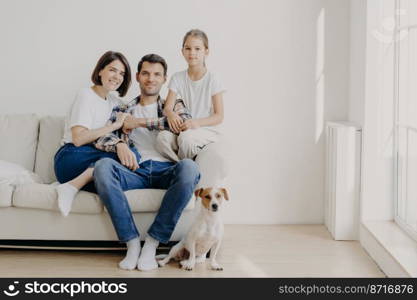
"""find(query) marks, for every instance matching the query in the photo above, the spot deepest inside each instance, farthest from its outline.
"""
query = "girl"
(86, 122)
(203, 96)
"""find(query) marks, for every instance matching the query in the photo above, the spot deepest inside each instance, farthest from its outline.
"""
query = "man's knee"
(103, 167)
(187, 168)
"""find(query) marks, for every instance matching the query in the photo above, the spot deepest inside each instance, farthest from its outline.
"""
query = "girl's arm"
(82, 136)
(169, 103)
(215, 119)
(174, 120)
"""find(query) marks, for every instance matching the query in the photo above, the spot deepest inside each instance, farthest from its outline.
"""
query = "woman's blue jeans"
(179, 179)
(70, 161)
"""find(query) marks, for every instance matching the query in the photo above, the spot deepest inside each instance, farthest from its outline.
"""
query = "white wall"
(357, 61)
(267, 52)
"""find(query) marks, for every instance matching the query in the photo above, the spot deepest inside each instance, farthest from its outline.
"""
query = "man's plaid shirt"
(109, 141)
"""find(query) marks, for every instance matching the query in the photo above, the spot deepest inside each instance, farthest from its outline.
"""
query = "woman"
(86, 122)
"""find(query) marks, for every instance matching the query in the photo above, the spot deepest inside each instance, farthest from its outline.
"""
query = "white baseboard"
(393, 250)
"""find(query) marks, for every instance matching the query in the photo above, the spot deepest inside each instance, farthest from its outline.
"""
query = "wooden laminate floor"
(247, 251)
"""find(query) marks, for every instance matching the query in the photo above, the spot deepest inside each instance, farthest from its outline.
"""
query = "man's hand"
(189, 124)
(126, 156)
(174, 122)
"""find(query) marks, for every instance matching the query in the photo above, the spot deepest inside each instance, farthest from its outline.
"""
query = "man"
(112, 178)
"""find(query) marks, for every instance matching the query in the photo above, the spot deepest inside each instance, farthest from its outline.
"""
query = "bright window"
(406, 115)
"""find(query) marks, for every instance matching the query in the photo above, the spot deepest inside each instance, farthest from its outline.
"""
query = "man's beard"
(145, 93)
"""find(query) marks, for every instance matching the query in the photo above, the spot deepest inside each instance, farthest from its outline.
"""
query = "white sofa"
(30, 212)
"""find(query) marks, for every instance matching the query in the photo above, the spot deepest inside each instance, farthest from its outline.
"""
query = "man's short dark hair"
(153, 59)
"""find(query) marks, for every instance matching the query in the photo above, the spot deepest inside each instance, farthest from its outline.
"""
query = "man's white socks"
(66, 195)
(147, 259)
(132, 255)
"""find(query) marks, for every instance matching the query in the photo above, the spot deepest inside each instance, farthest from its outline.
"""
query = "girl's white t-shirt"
(89, 110)
(196, 94)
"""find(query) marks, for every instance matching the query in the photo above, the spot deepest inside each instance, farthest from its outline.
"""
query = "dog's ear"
(198, 192)
(225, 194)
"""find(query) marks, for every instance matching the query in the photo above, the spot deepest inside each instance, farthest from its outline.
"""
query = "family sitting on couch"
(110, 147)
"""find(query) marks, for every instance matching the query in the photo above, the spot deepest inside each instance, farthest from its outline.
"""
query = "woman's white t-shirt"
(89, 110)
(196, 94)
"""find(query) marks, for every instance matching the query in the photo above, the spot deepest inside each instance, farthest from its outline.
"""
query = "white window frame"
(397, 167)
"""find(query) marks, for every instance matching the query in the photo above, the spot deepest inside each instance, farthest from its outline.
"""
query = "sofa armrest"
(213, 166)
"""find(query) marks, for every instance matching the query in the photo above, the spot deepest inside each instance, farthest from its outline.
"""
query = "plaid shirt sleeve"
(182, 110)
(109, 141)
(161, 123)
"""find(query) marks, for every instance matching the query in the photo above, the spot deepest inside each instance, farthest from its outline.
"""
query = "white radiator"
(343, 164)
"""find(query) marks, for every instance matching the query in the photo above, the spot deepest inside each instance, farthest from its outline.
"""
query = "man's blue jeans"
(70, 161)
(179, 179)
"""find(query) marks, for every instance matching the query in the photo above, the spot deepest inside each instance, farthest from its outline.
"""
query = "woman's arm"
(131, 123)
(215, 119)
(82, 136)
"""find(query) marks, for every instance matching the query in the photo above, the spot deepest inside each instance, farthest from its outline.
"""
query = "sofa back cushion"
(19, 136)
(51, 132)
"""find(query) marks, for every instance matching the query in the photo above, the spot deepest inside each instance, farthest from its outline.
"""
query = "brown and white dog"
(205, 234)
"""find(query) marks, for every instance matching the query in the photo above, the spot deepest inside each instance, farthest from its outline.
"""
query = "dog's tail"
(161, 256)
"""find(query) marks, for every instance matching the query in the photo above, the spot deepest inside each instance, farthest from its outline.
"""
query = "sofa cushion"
(149, 200)
(43, 196)
(19, 136)
(51, 131)
(6, 192)
(14, 174)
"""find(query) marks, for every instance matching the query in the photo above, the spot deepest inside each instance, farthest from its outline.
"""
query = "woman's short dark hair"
(108, 58)
(153, 59)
